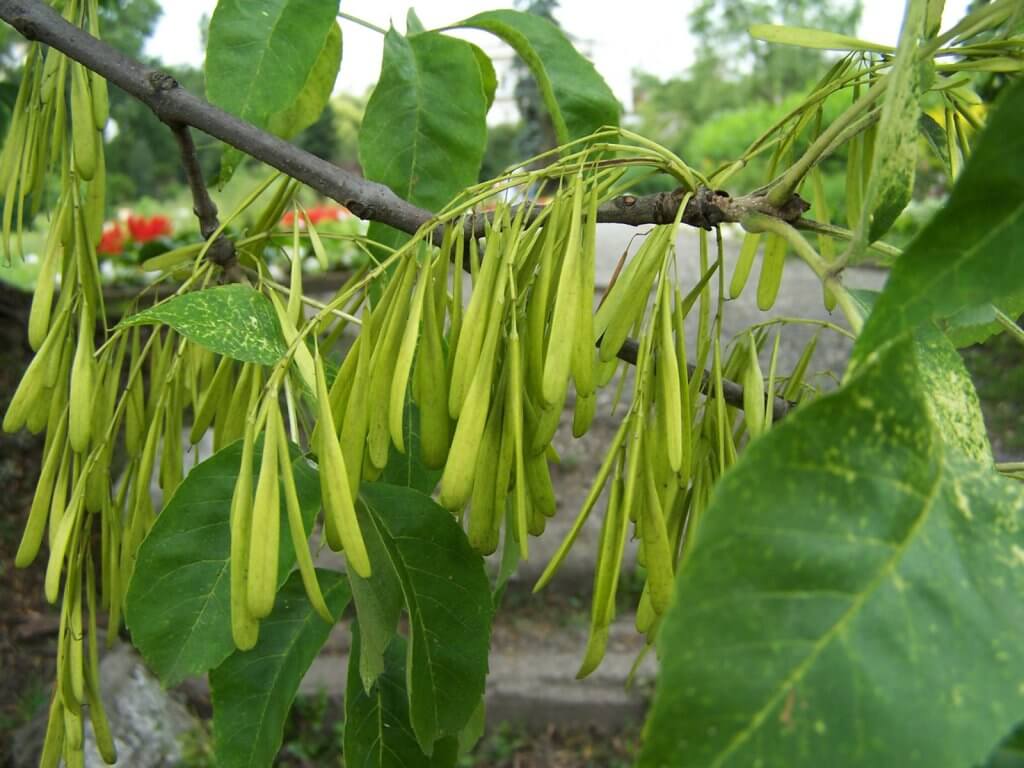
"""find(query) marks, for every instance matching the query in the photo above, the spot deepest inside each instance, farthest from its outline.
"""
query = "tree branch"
(366, 199)
(705, 209)
(732, 392)
(202, 204)
(222, 250)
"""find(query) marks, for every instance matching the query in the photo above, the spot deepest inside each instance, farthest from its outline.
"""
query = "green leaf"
(975, 325)
(864, 299)
(488, 77)
(935, 135)
(470, 736)
(814, 38)
(853, 574)
(378, 601)
(1010, 753)
(185, 556)
(261, 52)
(417, 545)
(969, 252)
(948, 391)
(894, 160)
(232, 320)
(949, 395)
(407, 469)
(425, 128)
(377, 729)
(576, 96)
(315, 94)
(260, 55)
(253, 690)
(424, 131)
(413, 25)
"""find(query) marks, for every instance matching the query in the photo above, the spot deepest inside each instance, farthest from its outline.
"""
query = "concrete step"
(532, 679)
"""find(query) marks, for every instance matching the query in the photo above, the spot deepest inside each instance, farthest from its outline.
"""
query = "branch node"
(793, 208)
(360, 210)
(161, 81)
(704, 210)
(26, 26)
(222, 250)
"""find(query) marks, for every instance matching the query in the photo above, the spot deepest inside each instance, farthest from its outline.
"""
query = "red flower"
(112, 241)
(143, 230)
(320, 213)
(317, 214)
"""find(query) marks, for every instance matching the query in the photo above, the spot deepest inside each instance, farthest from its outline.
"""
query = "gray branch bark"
(222, 250)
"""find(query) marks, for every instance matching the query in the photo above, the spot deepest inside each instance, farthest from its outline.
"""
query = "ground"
(314, 731)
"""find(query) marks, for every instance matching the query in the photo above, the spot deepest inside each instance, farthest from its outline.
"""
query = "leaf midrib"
(418, 97)
(854, 610)
(413, 609)
(247, 103)
(285, 653)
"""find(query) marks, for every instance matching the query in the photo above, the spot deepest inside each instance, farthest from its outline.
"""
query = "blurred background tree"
(737, 86)
(348, 117)
(753, 70)
(536, 131)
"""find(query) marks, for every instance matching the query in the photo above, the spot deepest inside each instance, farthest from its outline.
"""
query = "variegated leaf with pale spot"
(852, 594)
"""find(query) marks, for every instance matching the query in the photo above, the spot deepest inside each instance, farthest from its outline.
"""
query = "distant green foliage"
(536, 132)
(759, 71)
(737, 87)
(502, 150)
(142, 156)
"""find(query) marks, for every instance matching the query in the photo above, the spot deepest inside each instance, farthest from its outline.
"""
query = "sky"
(652, 36)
